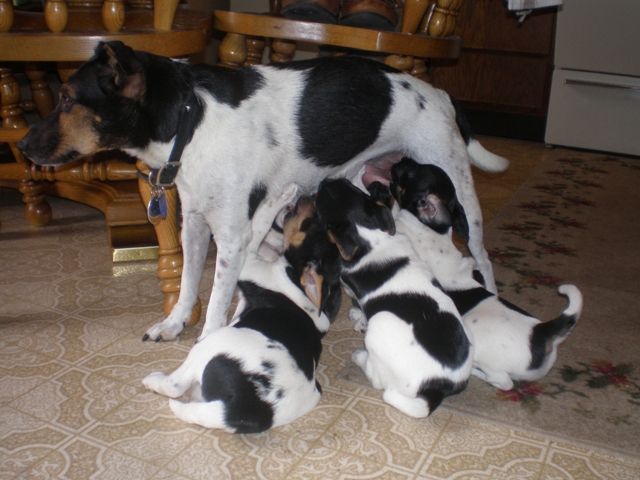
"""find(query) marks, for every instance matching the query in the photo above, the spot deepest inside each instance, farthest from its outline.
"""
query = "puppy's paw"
(358, 319)
(153, 381)
(359, 357)
(166, 330)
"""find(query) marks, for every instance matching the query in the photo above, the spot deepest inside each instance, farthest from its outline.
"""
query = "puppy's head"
(342, 208)
(428, 193)
(314, 262)
(98, 109)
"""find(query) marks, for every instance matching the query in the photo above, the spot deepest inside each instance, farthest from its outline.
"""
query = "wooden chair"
(424, 33)
(66, 33)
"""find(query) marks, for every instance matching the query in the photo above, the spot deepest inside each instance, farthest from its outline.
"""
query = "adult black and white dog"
(249, 133)
(416, 347)
(259, 372)
(509, 344)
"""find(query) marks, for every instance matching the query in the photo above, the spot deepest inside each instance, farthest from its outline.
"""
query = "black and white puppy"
(417, 349)
(259, 372)
(509, 344)
(248, 133)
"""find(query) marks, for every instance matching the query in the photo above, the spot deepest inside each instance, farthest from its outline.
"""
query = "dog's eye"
(65, 103)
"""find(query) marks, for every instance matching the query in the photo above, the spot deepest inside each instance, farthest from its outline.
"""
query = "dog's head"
(104, 105)
(428, 193)
(314, 262)
(342, 208)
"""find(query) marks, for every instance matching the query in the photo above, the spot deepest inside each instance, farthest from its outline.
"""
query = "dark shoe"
(372, 14)
(321, 11)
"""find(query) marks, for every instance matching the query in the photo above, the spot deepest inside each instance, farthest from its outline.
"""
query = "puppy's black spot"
(465, 300)
(258, 192)
(373, 276)
(435, 390)
(223, 379)
(287, 325)
(271, 136)
(440, 333)
(268, 366)
(544, 333)
(406, 85)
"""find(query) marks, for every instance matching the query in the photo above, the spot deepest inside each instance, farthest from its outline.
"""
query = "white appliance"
(595, 91)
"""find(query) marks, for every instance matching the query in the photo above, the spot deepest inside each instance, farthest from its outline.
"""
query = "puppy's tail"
(556, 330)
(480, 157)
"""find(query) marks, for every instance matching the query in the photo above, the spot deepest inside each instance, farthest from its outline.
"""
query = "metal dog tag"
(157, 208)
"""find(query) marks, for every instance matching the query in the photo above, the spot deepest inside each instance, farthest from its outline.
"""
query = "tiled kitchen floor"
(71, 362)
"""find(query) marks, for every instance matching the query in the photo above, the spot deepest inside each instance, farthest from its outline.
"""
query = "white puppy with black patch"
(259, 372)
(509, 343)
(417, 349)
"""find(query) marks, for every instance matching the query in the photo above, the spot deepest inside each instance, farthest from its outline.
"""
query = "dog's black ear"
(459, 219)
(384, 219)
(121, 71)
(346, 240)
(381, 194)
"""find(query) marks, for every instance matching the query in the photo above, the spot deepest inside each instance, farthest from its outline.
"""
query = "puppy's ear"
(121, 72)
(346, 242)
(311, 281)
(459, 219)
(384, 219)
(381, 194)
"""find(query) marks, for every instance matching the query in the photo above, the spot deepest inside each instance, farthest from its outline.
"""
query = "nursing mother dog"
(242, 135)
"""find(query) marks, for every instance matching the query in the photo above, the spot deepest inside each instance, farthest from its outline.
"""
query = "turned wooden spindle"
(232, 50)
(66, 69)
(113, 15)
(140, 4)
(170, 252)
(442, 21)
(78, 5)
(6, 15)
(163, 13)
(37, 210)
(414, 11)
(255, 50)
(41, 92)
(113, 170)
(56, 15)
(282, 50)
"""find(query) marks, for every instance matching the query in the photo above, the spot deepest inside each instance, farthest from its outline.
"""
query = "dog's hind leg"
(195, 244)
(414, 407)
(171, 386)
(207, 414)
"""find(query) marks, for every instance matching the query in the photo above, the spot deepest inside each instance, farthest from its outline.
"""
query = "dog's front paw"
(153, 381)
(166, 330)
(358, 319)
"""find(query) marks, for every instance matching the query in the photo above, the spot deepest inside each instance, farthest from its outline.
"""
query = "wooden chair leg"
(37, 210)
(170, 252)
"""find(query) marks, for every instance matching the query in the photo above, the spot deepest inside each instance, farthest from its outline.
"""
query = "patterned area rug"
(575, 220)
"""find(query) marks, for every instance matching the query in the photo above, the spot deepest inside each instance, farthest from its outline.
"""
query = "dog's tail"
(480, 157)
(555, 331)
